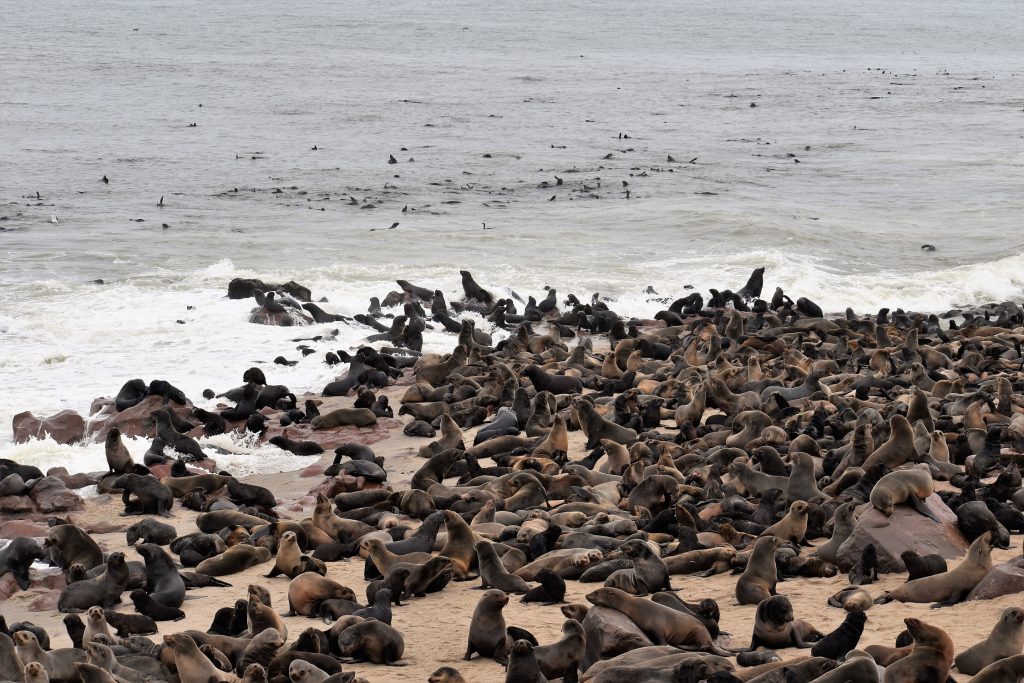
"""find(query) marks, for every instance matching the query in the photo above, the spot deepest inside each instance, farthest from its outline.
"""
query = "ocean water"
(876, 127)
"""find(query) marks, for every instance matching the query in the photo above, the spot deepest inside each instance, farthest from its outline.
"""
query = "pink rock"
(8, 586)
(51, 495)
(1003, 579)
(66, 427)
(313, 471)
(15, 504)
(906, 530)
(134, 421)
(22, 527)
(72, 481)
(289, 318)
(46, 602)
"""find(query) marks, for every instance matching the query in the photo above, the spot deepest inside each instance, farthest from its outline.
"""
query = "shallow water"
(905, 117)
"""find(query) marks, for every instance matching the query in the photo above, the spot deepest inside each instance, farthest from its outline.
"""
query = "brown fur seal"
(235, 559)
(852, 599)
(952, 586)
(105, 590)
(663, 625)
(372, 641)
(289, 560)
(17, 557)
(344, 417)
(192, 665)
(431, 576)
(59, 664)
(1009, 669)
(562, 659)
(306, 592)
(930, 660)
(460, 545)
(793, 526)
(209, 483)
(95, 623)
(34, 672)
(904, 486)
(119, 460)
(493, 573)
(649, 573)
(775, 626)
(1005, 640)
(488, 634)
(260, 617)
(70, 545)
(758, 580)
(446, 674)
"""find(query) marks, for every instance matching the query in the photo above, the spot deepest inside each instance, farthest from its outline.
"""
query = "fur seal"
(775, 626)
(562, 659)
(152, 497)
(793, 526)
(488, 634)
(163, 582)
(69, 545)
(839, 642)
(550, 591)
(104, 591)
(119, 460)
(757, 583)
(920, 566)
(904, 486)
(233, 560)
(930, 659)
(150, 531)
(493, 573)
(852, 599)
(148, 607)
(522, 665)
(59, 664)
(343, 417)
(130, 624)
(17, 556)
(191, 664)
(1009, 669)
(306, 591)
(1005, 640)
(372, 641)
(950, 587)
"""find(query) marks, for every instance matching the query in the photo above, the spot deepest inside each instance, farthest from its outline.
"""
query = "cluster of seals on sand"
(725, 434)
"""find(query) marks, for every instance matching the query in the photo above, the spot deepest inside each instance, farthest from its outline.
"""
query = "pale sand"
(435, 627)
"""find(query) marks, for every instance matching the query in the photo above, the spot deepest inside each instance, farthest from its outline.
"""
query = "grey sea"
(589, 146)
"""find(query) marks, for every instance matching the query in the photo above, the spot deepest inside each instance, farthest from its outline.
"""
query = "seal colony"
(702, 496)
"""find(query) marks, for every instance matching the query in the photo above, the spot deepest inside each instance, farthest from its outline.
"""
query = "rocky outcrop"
(290, 317)
(66, 427)
(49, 494)
(244, 288)
(907, 529)
(134, 421)
(1002, 579)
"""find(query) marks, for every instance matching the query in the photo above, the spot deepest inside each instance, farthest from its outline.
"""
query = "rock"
(907, 529)
(609, 633)
(15, 504)
(47, 602)
(134, 421)
(8, 586)
(103, 527)
(66, 427)
(313, 471)
(99, 404)
(22, 527)
(244, 288)
(72, 481)
(51, 495)
(1002, 579)
(289, 318)
(13, 485)
(329, 439)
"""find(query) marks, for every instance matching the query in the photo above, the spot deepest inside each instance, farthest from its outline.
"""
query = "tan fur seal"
(758, 580)
(1005, 640)
(852, 599)
(235, 559)
(306, 592)
(301, 671)
(1009, 669)
(339, 529)
(950, 587)
(793, 526)
(260, 617)
(34, 672)
(717, 560)
(663, 625)
(289, 557)
(102, 656)
(95, 623)
(897, 450)
(904, 486)
(192, 665)
(775, 626)
(930, 660)
(59, 664)
(11, 666)
(90, 673)
(843, 523)
(344, 417)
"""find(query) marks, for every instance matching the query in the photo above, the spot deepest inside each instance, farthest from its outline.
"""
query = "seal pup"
(950, 587)
(522, 665)
(550, 591)
(775, 626)
(839, 642)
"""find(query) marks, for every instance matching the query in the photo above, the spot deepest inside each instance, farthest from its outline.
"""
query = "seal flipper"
(919, 505)
(951, 600)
